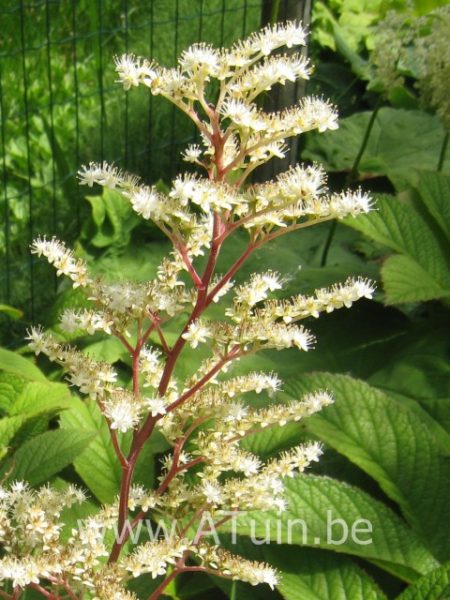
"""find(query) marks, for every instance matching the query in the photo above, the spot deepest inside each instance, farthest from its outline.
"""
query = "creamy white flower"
(197, 333)
(156, 406)
(146, 202)
(212, 493)
(122, 413)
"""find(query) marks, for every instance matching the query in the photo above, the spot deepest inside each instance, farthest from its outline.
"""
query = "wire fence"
(60, 107)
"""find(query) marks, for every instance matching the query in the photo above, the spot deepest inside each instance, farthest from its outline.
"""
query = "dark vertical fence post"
(289, 94)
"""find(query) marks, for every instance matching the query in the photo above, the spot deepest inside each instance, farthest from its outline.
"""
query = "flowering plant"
(204, 417)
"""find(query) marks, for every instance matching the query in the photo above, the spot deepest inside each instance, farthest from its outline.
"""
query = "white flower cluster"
(62, 259)
(236, 567)
(300, 306)
(204, 416)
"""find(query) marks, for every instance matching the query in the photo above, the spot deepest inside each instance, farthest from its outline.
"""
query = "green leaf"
(274, 439)
(434, 189)
(401, 142)
(406, 281)
(12, 312)
(422, 273)
(48, 453)
(433, 586)
(9, 426)
(11, 386)
(398, 226)
(109, 350)
(321, 510)
(144, 472)
(112, 220)
(37, 397)
(98, 465)
(310, 573)
(390, 443)
(13, 363)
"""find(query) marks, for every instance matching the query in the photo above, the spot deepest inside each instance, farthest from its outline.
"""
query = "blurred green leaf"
(401, 141)
(113, 219)
(12, 312)
(310, 573)
(13, 363)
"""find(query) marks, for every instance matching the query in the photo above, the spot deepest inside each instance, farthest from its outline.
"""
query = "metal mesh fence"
(60, 108)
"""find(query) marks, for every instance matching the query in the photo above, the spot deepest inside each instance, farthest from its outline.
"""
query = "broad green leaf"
(434, 189)
(98, 465)
(14, 363)
(46, 454)
(407, 281)
(11, 386)
(143, 585)
(144, 472)
(419, 377)
(238, 590)
(39, 397)
(421, 369)
(398, 226)
(332, 515)
(323, 576)
(433, 586)
(109, 350)
(310, 573)
(390, 443)
(421, 271)
(9, 426)
(274, 439)
(401, 141)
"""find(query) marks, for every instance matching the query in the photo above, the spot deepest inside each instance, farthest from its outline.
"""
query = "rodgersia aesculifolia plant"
(204, 417)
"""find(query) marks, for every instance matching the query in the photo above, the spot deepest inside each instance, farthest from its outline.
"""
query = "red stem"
(162, 586)
(44, 592)
(201, 382)
(141, 436)
(190, 267)
(231, 271)
(157, 324)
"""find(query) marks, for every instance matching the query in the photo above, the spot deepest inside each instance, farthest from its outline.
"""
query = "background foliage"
(387, 437)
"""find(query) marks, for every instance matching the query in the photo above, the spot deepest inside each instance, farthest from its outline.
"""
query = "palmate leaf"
(9, 426)
(29, 405)
(37, 397)
(392, 444)
(313, 502)
(112, 220)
